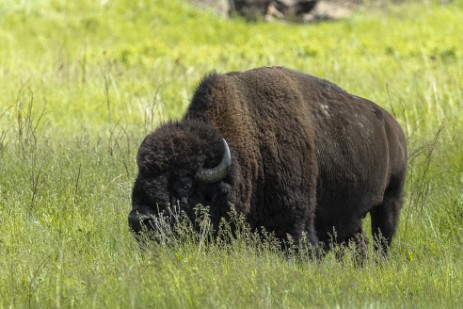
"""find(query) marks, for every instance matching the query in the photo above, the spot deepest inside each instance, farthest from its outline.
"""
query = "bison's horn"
(216, 174)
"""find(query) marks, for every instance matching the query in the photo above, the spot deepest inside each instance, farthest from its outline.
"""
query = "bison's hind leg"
(385, 217)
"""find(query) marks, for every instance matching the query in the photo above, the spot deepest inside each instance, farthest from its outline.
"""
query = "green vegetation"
(82, 82)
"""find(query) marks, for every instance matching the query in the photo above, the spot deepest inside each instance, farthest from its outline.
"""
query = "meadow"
(81, 84)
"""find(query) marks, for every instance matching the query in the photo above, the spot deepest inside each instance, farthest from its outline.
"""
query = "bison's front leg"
(296, 222)
(356, 244)
(359, 245)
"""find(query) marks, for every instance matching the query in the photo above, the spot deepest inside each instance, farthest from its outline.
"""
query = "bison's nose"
(140, 222)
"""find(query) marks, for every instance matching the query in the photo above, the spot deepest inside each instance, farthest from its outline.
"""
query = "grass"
(82, 82)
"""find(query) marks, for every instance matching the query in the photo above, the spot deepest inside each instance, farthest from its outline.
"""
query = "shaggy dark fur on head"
(178, 146)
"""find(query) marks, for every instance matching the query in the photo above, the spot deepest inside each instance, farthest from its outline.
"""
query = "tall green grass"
(82, 82)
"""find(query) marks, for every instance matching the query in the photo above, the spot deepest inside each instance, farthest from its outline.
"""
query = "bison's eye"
(186, 187)
(183, 186)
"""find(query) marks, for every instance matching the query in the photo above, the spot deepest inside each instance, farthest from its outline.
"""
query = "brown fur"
(307, 156)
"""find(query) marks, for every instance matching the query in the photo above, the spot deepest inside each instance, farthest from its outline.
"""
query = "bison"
(255, 9)
(293, 153)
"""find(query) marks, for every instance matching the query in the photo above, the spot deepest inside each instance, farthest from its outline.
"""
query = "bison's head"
(181, 165)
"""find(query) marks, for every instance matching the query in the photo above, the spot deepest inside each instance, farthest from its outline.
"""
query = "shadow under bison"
(291, 152)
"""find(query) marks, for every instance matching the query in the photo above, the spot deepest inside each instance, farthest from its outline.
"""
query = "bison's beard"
(175, 224)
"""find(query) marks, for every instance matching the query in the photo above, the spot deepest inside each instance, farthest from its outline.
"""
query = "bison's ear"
(219, 191)
(225, 188)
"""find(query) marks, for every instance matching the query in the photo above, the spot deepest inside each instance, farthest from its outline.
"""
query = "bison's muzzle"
(141, 220)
